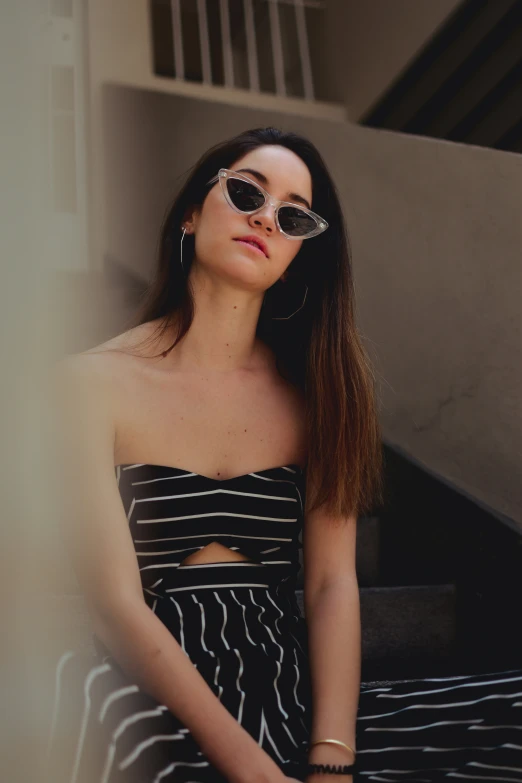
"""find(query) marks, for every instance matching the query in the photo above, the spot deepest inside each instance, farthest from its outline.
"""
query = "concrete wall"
(370, 43)
(436, 235)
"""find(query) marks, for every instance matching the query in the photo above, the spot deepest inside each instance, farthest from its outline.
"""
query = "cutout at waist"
(209, 553)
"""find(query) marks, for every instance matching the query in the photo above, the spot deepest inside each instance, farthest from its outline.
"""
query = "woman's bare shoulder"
(124, 348)
(109, 363)
(136, 341)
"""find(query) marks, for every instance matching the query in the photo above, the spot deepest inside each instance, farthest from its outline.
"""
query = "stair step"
(367, 553)
(405, 622)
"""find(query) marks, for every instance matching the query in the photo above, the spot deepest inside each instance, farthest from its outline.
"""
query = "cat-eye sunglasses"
(246, 196)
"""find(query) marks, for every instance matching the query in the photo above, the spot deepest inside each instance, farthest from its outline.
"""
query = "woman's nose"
(264, 218)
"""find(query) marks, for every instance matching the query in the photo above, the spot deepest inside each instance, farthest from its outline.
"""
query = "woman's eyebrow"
(263, 179)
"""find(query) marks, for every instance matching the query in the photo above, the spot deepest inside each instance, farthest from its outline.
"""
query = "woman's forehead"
(279, 168)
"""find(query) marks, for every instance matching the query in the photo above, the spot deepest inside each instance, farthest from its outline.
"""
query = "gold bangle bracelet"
(336, 742)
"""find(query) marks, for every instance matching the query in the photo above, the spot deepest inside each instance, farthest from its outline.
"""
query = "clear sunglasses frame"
(224, 174)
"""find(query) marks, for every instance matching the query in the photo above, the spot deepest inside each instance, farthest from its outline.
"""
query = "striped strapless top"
(173, 513)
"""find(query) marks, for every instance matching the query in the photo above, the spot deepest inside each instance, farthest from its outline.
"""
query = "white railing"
(238, 43)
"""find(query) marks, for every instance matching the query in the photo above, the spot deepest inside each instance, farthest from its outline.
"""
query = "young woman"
(236, 414)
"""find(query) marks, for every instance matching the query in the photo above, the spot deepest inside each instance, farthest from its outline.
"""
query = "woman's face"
(217, 226)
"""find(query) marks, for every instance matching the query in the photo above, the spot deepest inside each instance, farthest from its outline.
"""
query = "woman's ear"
(189, 220)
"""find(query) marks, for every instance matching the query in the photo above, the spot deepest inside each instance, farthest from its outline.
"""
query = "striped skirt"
(249, 642)
(247, 639)
(466, 727)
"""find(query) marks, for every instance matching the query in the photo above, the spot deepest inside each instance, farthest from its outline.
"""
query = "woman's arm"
(152, 658)
(332, 607)
(97, 536)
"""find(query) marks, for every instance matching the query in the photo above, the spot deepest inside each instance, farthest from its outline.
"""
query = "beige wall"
(369, 43)
(436, 234)
(437, 246)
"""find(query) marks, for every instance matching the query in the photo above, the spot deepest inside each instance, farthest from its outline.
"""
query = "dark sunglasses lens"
(243, 195)
(295, 222)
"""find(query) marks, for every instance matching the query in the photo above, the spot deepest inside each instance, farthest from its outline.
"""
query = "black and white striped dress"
(241, 626)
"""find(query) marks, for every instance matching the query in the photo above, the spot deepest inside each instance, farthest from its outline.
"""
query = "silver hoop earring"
(285, 317)
(181, 248)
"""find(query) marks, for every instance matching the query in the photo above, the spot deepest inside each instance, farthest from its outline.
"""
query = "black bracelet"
(340, 769)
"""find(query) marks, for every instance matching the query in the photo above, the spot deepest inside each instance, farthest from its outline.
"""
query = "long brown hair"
(319, 349)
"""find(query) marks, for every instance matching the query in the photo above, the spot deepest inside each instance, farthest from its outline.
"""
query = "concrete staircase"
(406, 629)
(440, 580)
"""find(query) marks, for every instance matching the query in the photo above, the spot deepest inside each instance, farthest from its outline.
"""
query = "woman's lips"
(253, 247)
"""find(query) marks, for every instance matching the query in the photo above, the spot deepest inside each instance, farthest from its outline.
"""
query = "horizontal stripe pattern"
(258, 514)
(466, 727)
